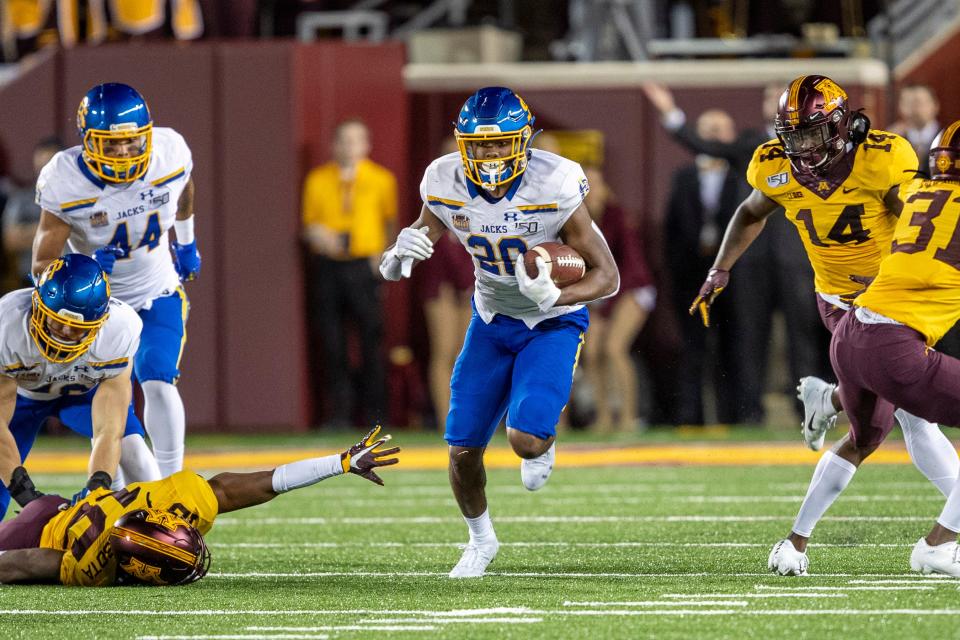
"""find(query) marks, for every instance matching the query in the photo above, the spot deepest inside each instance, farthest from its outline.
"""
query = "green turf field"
(673, 552)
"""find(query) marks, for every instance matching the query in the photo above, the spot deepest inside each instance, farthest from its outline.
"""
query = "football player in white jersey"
(501, 198)
(65, 350)
(115, 197)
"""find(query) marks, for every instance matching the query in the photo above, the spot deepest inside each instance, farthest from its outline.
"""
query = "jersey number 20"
(497, 260)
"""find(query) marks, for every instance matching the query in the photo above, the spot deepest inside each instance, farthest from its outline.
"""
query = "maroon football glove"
(365, 456)
(717, 280)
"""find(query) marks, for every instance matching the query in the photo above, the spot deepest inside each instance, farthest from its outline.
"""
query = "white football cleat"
(939, 559)
(819, 415)
(785, 560)
(476, 556)
(536, 471)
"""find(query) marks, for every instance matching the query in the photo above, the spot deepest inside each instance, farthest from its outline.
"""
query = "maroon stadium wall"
(256, 115)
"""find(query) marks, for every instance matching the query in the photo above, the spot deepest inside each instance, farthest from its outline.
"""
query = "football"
(564, 264)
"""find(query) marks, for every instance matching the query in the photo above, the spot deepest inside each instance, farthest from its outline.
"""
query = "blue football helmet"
(71, 297)
(108, 114)
(494, 114)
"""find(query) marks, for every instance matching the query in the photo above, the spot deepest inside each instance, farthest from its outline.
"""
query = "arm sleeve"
(431, 181)
(903, 163)
(196, 496)
(46, 195)
(573, 189)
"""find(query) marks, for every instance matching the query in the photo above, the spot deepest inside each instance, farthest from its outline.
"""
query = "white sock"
(930, 451)
(137, 463)
(830, 478)
(481, 527)
(950, 516)
(164, 420)
(118, 481)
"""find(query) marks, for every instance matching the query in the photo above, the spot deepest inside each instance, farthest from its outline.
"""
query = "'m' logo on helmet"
(812, 123)
(155, 546)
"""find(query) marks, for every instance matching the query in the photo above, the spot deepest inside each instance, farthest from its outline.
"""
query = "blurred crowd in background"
(767, 333)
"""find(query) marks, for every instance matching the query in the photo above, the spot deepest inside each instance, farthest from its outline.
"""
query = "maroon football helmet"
(157, 547)
(812, 123)
(945, 154)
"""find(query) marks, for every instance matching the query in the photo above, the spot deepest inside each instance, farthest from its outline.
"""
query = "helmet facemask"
(53, 348)
(110, 168)
(490, 173)
(814, 147)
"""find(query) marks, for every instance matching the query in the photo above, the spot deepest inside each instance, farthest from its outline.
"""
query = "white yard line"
(333, 545)
(521, 611)
(659, 603)
(537, 574)
(572, 519)
(694, 596)
(235, 636)
(807, 590)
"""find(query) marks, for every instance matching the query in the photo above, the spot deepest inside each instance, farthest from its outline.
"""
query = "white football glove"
(541, 290)
(412, 244)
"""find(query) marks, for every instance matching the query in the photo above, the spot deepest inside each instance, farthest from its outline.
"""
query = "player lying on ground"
(152, 532)
(65, 350)
(502, 198)
(115, 197)
(882, 350)
(837, 180)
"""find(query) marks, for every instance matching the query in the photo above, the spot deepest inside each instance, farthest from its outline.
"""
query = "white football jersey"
(137, 216)
(38, 378)
(532, 212)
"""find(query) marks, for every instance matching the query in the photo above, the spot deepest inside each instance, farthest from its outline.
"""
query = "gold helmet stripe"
(795, 93)
(150, 543)
(946, 140)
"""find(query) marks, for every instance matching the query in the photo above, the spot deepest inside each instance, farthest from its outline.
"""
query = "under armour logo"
(146, 194)
(510, 216)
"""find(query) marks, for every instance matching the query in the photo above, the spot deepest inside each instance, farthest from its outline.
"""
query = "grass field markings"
(455, 620)
(235, 636)
(545, 544)
(798, 498)
(571, 519)
(519, 574)
(658, 603)
(946, 580)
(807, 589)
(694, 596)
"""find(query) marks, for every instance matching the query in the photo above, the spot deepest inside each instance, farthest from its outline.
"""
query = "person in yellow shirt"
(349, 207)
(838, 182)
(152, 532)
(882, 351)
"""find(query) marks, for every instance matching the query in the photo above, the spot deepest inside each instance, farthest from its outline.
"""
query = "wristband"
(184, 229)
(99, 479)
(21, 487)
